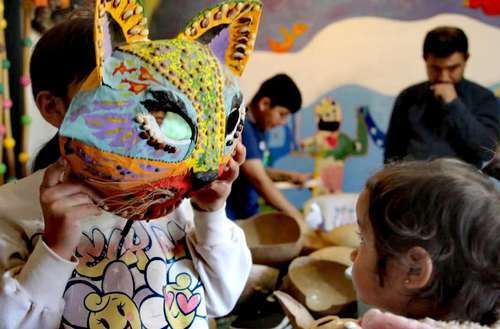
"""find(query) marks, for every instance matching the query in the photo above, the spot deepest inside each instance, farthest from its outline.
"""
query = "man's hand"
(444, 91)
(213, 196)
(64, 203)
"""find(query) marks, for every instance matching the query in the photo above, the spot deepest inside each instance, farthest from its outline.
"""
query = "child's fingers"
(49, 195)
(239, 153)
(54, 173)
(219, 188)
(82, 211)
(74, 200)
(231, 172)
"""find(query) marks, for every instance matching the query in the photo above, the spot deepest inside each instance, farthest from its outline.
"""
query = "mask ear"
(117, 22)
(229, 29)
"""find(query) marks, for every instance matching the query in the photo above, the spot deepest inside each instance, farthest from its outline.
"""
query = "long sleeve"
(32, 278)
(31, 293)
(476, 128)
(397, 133)
(222, 259)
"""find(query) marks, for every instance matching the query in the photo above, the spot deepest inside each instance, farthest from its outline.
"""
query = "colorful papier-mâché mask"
(159, 119)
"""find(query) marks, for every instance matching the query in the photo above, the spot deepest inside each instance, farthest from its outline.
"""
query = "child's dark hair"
(282, 91)
(452, 211)
(63, 55)
(443, 41)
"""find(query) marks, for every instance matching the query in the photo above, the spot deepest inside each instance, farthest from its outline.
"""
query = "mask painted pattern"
(159, 119)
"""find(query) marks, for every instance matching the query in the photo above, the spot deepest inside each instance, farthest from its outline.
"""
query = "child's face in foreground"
(365, 276)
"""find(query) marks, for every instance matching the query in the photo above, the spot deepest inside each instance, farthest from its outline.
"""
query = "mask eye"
(234, 122)
(166, 125)
(174, 127)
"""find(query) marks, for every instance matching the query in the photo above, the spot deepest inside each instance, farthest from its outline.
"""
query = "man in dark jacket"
(446, 116)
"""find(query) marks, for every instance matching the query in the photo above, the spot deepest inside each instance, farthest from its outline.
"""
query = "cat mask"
(159, 119)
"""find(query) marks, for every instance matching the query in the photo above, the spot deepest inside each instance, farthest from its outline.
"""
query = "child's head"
(62, 59)
(275, 100)
(431, 243)
(159, 119)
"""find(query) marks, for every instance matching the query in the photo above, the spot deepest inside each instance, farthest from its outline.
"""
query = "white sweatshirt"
(168, 273)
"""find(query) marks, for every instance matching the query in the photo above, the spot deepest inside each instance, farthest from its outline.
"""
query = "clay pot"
(345, 235)
(261, 278)
(336, 254)
(300, 318)
(273, 238)
(319, 284)
(297, 314)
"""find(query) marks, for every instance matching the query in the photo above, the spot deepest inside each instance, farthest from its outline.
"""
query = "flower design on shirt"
(112, 305)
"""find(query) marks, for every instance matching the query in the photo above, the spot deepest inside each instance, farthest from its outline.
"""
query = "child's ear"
(51, 107)
(419, 268)
(264, 103)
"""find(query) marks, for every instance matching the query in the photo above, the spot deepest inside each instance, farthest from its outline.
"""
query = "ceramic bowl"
(273, 238)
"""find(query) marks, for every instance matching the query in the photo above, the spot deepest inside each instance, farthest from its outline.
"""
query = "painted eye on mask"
(175, 128)
(166, 125)
(234, 122)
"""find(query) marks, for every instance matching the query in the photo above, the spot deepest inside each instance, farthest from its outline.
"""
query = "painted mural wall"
(357, 53)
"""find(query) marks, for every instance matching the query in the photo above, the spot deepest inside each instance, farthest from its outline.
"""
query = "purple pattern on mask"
(219, 44)
(74, 115)
(107, 45)
(149, 168)
(113, 105)
(117, 127)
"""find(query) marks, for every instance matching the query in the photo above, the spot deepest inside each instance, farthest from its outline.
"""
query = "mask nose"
(200, 179)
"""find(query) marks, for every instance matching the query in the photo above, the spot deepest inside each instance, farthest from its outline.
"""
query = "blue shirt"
(243, 202)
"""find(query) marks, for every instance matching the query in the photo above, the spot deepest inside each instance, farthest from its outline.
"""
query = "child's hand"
(64, 203)
(298, 177)
(213, 196)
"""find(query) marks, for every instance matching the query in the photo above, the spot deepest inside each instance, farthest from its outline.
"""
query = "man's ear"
(264, 103)
(51, 107)
(419, 268)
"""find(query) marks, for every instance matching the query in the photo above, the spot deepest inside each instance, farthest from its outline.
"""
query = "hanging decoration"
(7, 155)
(25, 82)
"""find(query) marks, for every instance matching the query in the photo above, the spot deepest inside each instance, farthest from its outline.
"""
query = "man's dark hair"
(452, 211)
(282, 91)
(443, 41)
(64, 54)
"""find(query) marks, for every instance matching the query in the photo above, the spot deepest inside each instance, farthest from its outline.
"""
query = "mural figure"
(330, 147)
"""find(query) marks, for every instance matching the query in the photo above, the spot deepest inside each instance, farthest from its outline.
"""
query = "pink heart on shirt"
(169, 299)
(188, 305)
